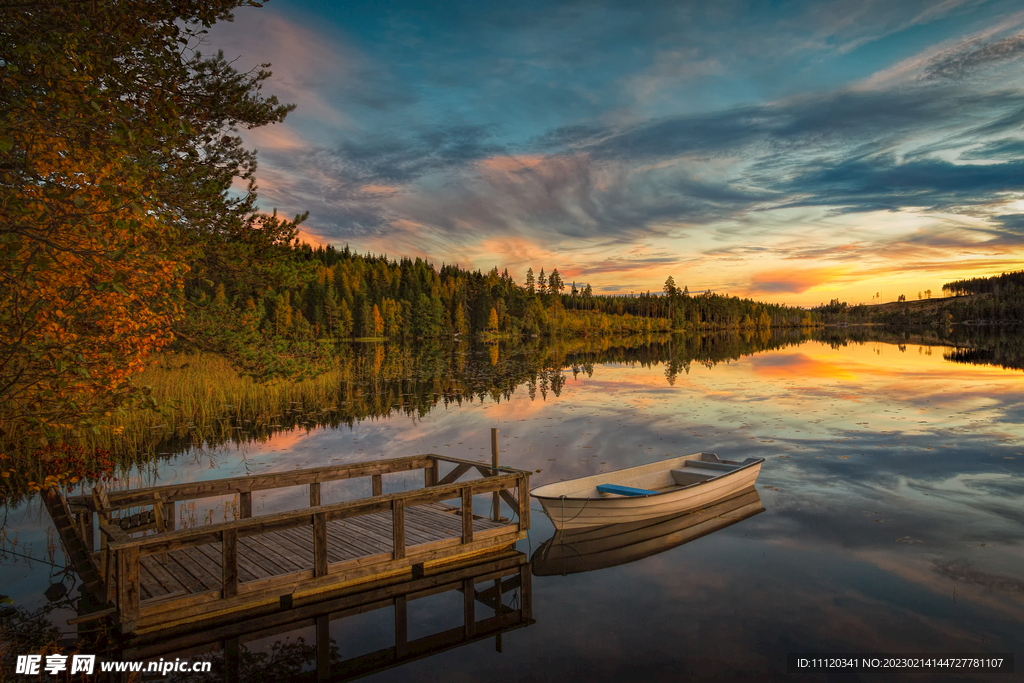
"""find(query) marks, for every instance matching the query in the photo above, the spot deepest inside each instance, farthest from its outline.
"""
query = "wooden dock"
(153, 577)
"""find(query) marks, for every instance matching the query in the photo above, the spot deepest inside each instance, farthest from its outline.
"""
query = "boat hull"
(593, 548)
(575, 513)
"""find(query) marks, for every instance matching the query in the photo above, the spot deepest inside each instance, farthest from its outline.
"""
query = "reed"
(201, 396)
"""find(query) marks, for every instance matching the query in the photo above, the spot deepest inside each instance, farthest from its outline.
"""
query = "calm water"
(892, 488)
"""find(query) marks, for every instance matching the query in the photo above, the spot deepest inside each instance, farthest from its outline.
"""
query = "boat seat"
(623, 490)
(692, 475)
(709, 465)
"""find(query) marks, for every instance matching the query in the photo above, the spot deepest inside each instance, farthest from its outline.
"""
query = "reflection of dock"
(506, 579)
(160, 580)
(587, 549)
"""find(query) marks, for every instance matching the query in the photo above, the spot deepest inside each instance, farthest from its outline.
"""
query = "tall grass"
(201, 396)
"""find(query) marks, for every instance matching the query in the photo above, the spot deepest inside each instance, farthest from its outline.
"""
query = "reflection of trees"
(412, 380)
(998, 345)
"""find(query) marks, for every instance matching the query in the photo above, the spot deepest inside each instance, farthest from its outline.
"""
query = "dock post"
(229, 563)
(128, 598)
(495, 500)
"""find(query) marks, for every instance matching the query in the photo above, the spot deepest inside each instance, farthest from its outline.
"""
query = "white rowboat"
(598, 547)
(659, 489)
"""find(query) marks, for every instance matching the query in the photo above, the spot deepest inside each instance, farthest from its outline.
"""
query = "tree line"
(995, 284)
(343, 294)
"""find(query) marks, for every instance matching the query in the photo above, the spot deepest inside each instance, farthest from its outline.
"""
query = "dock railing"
(126, 551)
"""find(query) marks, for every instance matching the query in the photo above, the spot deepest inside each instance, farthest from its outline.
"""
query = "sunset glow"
(796, 155)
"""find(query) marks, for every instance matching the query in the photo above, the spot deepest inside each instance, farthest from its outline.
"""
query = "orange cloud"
(791, 281)
(276, 137)
(379, 189)
(312, 238)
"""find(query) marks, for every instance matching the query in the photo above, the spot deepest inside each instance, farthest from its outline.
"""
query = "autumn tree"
(118, 148)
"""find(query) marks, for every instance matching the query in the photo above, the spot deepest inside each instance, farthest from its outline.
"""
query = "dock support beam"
(495, 499)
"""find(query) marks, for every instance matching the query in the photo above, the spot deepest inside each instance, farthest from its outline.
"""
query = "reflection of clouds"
(797, 365)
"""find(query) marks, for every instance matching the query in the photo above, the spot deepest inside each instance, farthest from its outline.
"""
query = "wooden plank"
(248, 569)
(378, 485)
(430, 474)
(207, 489)
(379, 526)
(418, 529)
(467, 515)
(128, 597)
(523, 486)
(454, 474)
(76, 548)
(495, 501)
(374, 533)
(296, 546)
(398, 527)
(153, 609)
(319, 542)
(198, 567)
(245, 504)
(148, 585)
(182, 575)
(314, 494)
(365, 597)
(352, 535)
(364, 593)
(251, 556)
(340, 544)
(168, 580)
(511, 500)
(304, 540)
(229, 563)
(271, 553)
(211, 533)
(433, 525)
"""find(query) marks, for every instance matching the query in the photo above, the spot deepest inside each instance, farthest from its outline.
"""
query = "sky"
(792, 152)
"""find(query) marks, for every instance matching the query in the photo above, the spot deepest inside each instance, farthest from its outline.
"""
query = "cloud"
(1012, 221)
(973, 55)
(1008, 149)
(566, 135)
(790, 281)
(881, 182)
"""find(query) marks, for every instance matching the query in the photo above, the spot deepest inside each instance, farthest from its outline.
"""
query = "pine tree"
(344, 320)
(331, 310)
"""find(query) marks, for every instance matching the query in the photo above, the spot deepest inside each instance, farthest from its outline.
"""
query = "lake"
(891, 488)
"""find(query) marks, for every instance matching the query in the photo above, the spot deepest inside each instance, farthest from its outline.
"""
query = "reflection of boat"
(497, 597)
(655, 490)
(584, 550)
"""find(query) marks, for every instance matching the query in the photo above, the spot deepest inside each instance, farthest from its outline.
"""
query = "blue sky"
(787, 151)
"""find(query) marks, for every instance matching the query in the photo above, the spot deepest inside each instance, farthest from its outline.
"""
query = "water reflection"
(339, 639)
(891, 487)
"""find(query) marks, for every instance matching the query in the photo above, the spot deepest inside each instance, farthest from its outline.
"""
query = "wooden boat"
(591, 548)
(659, 489)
